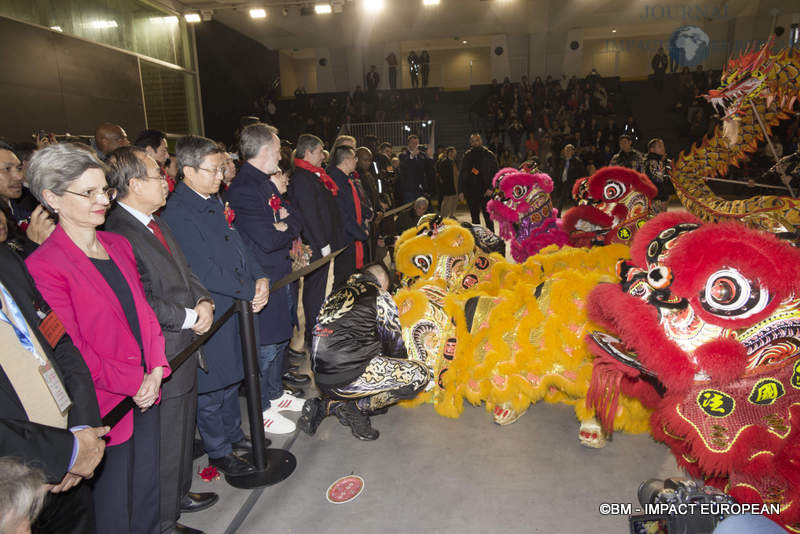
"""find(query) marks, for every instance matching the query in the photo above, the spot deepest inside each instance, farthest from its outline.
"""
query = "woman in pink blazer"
(90, 280)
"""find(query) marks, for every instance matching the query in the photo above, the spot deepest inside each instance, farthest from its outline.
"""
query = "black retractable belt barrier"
(271, 465)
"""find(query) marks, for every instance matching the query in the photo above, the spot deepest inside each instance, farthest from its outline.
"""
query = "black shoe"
(296, 378)
(198, 449)
(183, 529)
(294, 391)
(194, 502)
(313, 414)
(349, 415)
(245, 445)
(231, 465)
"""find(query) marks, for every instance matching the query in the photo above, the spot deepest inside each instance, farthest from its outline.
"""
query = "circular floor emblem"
(345, 489)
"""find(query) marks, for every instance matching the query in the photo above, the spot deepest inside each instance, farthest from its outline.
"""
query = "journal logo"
(689, 46)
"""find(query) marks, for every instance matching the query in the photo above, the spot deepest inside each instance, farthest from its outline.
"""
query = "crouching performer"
(358, 356)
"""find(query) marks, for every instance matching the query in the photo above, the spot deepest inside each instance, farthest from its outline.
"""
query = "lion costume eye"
(728, 293)
(613, 190)
(422, 262)
(659, 277)
(519, 191)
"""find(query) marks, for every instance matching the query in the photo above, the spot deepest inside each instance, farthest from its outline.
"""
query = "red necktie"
(157, 232)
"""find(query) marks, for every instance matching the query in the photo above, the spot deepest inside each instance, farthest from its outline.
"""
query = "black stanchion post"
(252, 382)
(271, 465)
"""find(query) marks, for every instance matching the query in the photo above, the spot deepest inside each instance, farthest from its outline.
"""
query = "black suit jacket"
(170, 287)
(322, 223)
(42, 446)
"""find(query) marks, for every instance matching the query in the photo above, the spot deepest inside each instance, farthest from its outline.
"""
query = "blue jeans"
(270, 363)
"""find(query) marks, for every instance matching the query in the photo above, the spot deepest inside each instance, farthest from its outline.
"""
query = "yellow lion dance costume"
(504, 334)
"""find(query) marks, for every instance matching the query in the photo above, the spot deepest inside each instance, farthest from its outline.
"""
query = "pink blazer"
(95, 320)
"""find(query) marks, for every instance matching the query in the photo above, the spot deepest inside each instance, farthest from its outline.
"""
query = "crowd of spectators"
(111, 216)
(534, 120)
(323, 115)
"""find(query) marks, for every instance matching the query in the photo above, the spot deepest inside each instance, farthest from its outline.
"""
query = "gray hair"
(254, 137)
(21, 494)
(306, 142)
(193, 149)
(125, 163)
(55, 167)
(421, 201)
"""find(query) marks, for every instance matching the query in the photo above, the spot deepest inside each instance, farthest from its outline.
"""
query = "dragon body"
(756, 85)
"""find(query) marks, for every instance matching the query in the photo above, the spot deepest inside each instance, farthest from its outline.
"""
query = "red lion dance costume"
(709, 321)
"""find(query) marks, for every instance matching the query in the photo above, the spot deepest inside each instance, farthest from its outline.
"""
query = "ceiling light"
(430, 2)
(103, 24)
(164, 20)
(373, 5)
(613, 31)
(57, 28)
(258, 13)
(192, 17)
(321, 9)
(463, 42)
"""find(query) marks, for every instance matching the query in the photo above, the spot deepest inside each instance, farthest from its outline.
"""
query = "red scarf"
(357, 203)
(326, 180)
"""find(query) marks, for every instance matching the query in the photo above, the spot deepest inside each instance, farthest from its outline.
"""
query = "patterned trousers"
(385, 381)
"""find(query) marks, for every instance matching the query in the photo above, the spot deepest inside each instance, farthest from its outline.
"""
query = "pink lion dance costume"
(525, 213)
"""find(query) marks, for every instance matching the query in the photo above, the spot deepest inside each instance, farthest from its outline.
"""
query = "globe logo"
(689, 46)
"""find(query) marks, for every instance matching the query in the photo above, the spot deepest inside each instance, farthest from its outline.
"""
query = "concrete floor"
(429, 474)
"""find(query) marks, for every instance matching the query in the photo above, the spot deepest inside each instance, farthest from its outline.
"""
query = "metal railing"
(395, 133)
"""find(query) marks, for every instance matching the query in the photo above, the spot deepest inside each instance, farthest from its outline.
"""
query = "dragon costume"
(758, 88)
(499, 333)
(708, 321)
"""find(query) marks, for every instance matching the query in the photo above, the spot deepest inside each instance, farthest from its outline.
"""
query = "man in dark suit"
(49, 420)
(203, 227)
(268, 226)
(183, 307)
(343, 164)
(570, 168)
(475, 179)
(314, 193)
(415, 172)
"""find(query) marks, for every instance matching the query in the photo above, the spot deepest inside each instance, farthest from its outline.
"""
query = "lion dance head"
(611, 205)
(706, 329)
(522, 207)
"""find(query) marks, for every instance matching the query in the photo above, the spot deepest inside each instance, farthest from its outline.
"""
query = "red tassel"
(604, 389)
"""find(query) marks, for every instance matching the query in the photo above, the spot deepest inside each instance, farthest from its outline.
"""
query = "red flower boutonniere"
(230, 215)
(275, 204)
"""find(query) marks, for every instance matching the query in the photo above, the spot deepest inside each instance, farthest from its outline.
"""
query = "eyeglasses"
(109, 193)
(218, 170)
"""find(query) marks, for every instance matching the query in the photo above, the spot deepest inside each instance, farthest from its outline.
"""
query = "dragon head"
(743, 80)
(701, 303)
(612, 204)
